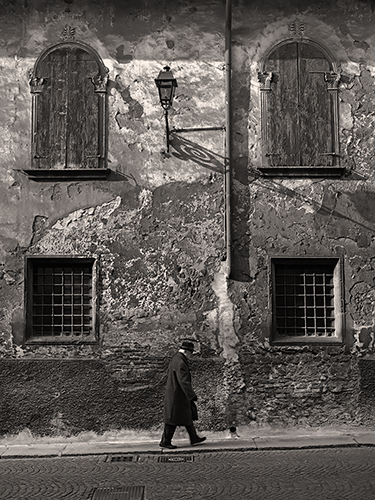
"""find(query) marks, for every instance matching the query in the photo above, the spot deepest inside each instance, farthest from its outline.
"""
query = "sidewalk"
(127, 442)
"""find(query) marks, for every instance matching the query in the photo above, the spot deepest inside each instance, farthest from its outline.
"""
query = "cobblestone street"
(324, 474)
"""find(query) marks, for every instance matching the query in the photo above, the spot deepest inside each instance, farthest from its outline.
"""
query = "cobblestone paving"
(322, 474)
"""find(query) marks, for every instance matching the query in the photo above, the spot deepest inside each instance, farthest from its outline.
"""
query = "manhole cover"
(123, 458)
(176, 458)
(119, 493)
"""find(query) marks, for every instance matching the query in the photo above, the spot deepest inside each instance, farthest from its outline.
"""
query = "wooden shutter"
(299, 109)
(283, 135)
(67, 125)
(315, 120)
(82, 120)
(51, 111)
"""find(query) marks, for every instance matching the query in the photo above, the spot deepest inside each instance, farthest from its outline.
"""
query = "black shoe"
(168, 445)
(198, 440)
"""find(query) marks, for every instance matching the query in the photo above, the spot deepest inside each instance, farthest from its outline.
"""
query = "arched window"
(299, 106)
(68, 84)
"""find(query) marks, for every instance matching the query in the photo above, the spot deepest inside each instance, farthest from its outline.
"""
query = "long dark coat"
(179, 392)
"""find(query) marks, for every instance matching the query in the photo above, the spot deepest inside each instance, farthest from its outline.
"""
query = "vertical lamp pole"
(166, 85)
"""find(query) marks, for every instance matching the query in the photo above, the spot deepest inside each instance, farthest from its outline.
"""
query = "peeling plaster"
(159, 251)
(227, 336)
(233, 382)
(145, 199)
(364, 339)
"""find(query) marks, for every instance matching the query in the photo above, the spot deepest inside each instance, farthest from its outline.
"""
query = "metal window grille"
(305, 300)
(62, 299)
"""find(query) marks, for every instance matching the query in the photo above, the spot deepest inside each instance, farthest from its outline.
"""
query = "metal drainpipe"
(228, 141)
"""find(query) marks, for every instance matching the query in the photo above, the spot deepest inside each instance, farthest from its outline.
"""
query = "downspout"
(228, 131)
(233, 381)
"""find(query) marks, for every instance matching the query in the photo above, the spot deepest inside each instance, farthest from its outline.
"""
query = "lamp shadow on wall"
(187, 150)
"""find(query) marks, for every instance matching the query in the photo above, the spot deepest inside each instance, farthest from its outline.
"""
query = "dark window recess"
(60, 299)
(300, 111)
(306, 301)
(68, 85)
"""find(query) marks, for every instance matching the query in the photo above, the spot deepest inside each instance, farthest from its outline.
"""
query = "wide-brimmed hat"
(187, 346)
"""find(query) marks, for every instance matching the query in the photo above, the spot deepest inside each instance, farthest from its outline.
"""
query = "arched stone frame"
(69, 116)
(323, 77)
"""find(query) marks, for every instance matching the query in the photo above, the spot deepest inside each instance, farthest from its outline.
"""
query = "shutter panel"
(315, 107)
(283, 130)
(52, 111)
(59, 107)
(82, 131)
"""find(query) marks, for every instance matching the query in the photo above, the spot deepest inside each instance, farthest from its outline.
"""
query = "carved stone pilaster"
(100, 82)
(36, 84)
(265, 79)
(333, 79)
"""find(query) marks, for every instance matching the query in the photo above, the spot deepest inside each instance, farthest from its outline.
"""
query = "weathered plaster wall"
(156, 226)
(304, 218)
(135, 41)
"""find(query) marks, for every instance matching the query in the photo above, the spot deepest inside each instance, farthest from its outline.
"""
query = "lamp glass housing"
(166, 85)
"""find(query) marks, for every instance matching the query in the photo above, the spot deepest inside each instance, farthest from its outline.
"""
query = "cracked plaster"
(162, 274)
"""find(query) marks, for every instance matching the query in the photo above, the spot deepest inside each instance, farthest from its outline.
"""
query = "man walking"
(179, 398)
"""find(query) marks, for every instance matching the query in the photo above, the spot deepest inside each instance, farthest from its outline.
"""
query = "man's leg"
(166, 440)
(194, 438)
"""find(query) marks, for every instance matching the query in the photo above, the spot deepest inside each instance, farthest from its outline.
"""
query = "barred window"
(60, 299)
(307, 300)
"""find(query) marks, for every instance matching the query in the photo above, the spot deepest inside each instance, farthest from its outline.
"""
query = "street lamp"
(166, 85)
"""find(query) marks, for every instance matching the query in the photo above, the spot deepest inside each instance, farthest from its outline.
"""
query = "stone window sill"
(302, 171)
(67, 174)
(61, 341)
(307, 340)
